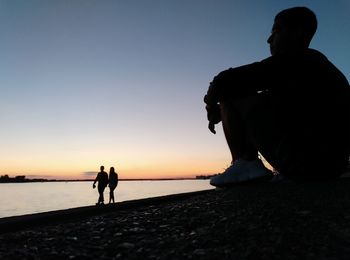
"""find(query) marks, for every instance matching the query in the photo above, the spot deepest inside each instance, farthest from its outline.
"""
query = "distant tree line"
(20, 178)
(204, 177)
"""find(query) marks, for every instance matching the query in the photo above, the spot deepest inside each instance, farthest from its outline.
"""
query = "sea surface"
(27, 198)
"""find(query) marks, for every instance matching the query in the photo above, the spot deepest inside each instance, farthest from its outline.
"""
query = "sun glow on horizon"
(88, 170)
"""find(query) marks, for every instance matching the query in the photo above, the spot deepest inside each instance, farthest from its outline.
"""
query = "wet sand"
(258, 221)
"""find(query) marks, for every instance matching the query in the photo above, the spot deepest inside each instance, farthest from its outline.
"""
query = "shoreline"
(44, 197)
(16, 223)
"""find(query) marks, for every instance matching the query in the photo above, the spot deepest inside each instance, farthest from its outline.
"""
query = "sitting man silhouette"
(292, 107)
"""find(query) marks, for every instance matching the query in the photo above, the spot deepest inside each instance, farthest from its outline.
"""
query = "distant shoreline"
(91, 180)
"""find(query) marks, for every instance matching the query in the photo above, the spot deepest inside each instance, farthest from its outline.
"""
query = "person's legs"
(245, 167)
(264, 118)
(302, 146)
(101, 197)
(111, 194)
(299, 142)
(236, 134)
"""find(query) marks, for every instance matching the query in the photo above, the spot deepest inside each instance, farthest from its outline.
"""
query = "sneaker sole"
(266, 178)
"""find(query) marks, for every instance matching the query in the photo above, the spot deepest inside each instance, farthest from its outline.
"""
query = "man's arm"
(233, 83)
(239, 82)
(215, 95)
(213, 110)
(96, 179)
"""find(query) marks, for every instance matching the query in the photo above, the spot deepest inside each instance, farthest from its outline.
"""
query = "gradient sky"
(121, 83)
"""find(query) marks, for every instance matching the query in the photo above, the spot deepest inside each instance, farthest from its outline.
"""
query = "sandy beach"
(260, 221)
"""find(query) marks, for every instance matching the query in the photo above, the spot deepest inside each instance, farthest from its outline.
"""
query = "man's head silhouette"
(292, 30)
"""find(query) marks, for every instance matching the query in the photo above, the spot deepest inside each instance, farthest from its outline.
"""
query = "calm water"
(25, 198)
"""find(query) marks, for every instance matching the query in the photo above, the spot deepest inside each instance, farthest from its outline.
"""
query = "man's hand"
(211, 127)
(212, 107)
(214, 116)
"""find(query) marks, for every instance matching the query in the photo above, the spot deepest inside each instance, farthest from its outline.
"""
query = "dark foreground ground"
(260, 221)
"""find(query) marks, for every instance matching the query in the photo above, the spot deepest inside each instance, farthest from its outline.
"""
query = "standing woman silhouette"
(113, 182)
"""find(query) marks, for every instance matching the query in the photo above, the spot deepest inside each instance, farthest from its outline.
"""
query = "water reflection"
(27, 198)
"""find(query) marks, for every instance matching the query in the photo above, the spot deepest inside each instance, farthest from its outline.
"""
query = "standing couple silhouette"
(103, 180)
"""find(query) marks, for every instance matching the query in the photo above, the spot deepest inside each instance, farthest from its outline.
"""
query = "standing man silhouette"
(102, 179)
(292, 107)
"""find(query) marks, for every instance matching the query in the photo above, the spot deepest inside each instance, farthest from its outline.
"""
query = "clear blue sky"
(121, 83)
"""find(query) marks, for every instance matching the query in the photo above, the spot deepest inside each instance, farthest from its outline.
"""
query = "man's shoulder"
(238, 70)
(294, 58)
(314, 52)
(315, 56)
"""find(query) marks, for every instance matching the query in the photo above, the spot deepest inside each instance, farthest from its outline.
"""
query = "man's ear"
(300, 33)
(300, 36)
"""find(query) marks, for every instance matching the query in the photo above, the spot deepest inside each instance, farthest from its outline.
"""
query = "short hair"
(299, 18)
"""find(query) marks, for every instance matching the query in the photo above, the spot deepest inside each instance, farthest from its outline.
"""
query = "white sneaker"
(242, 171)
